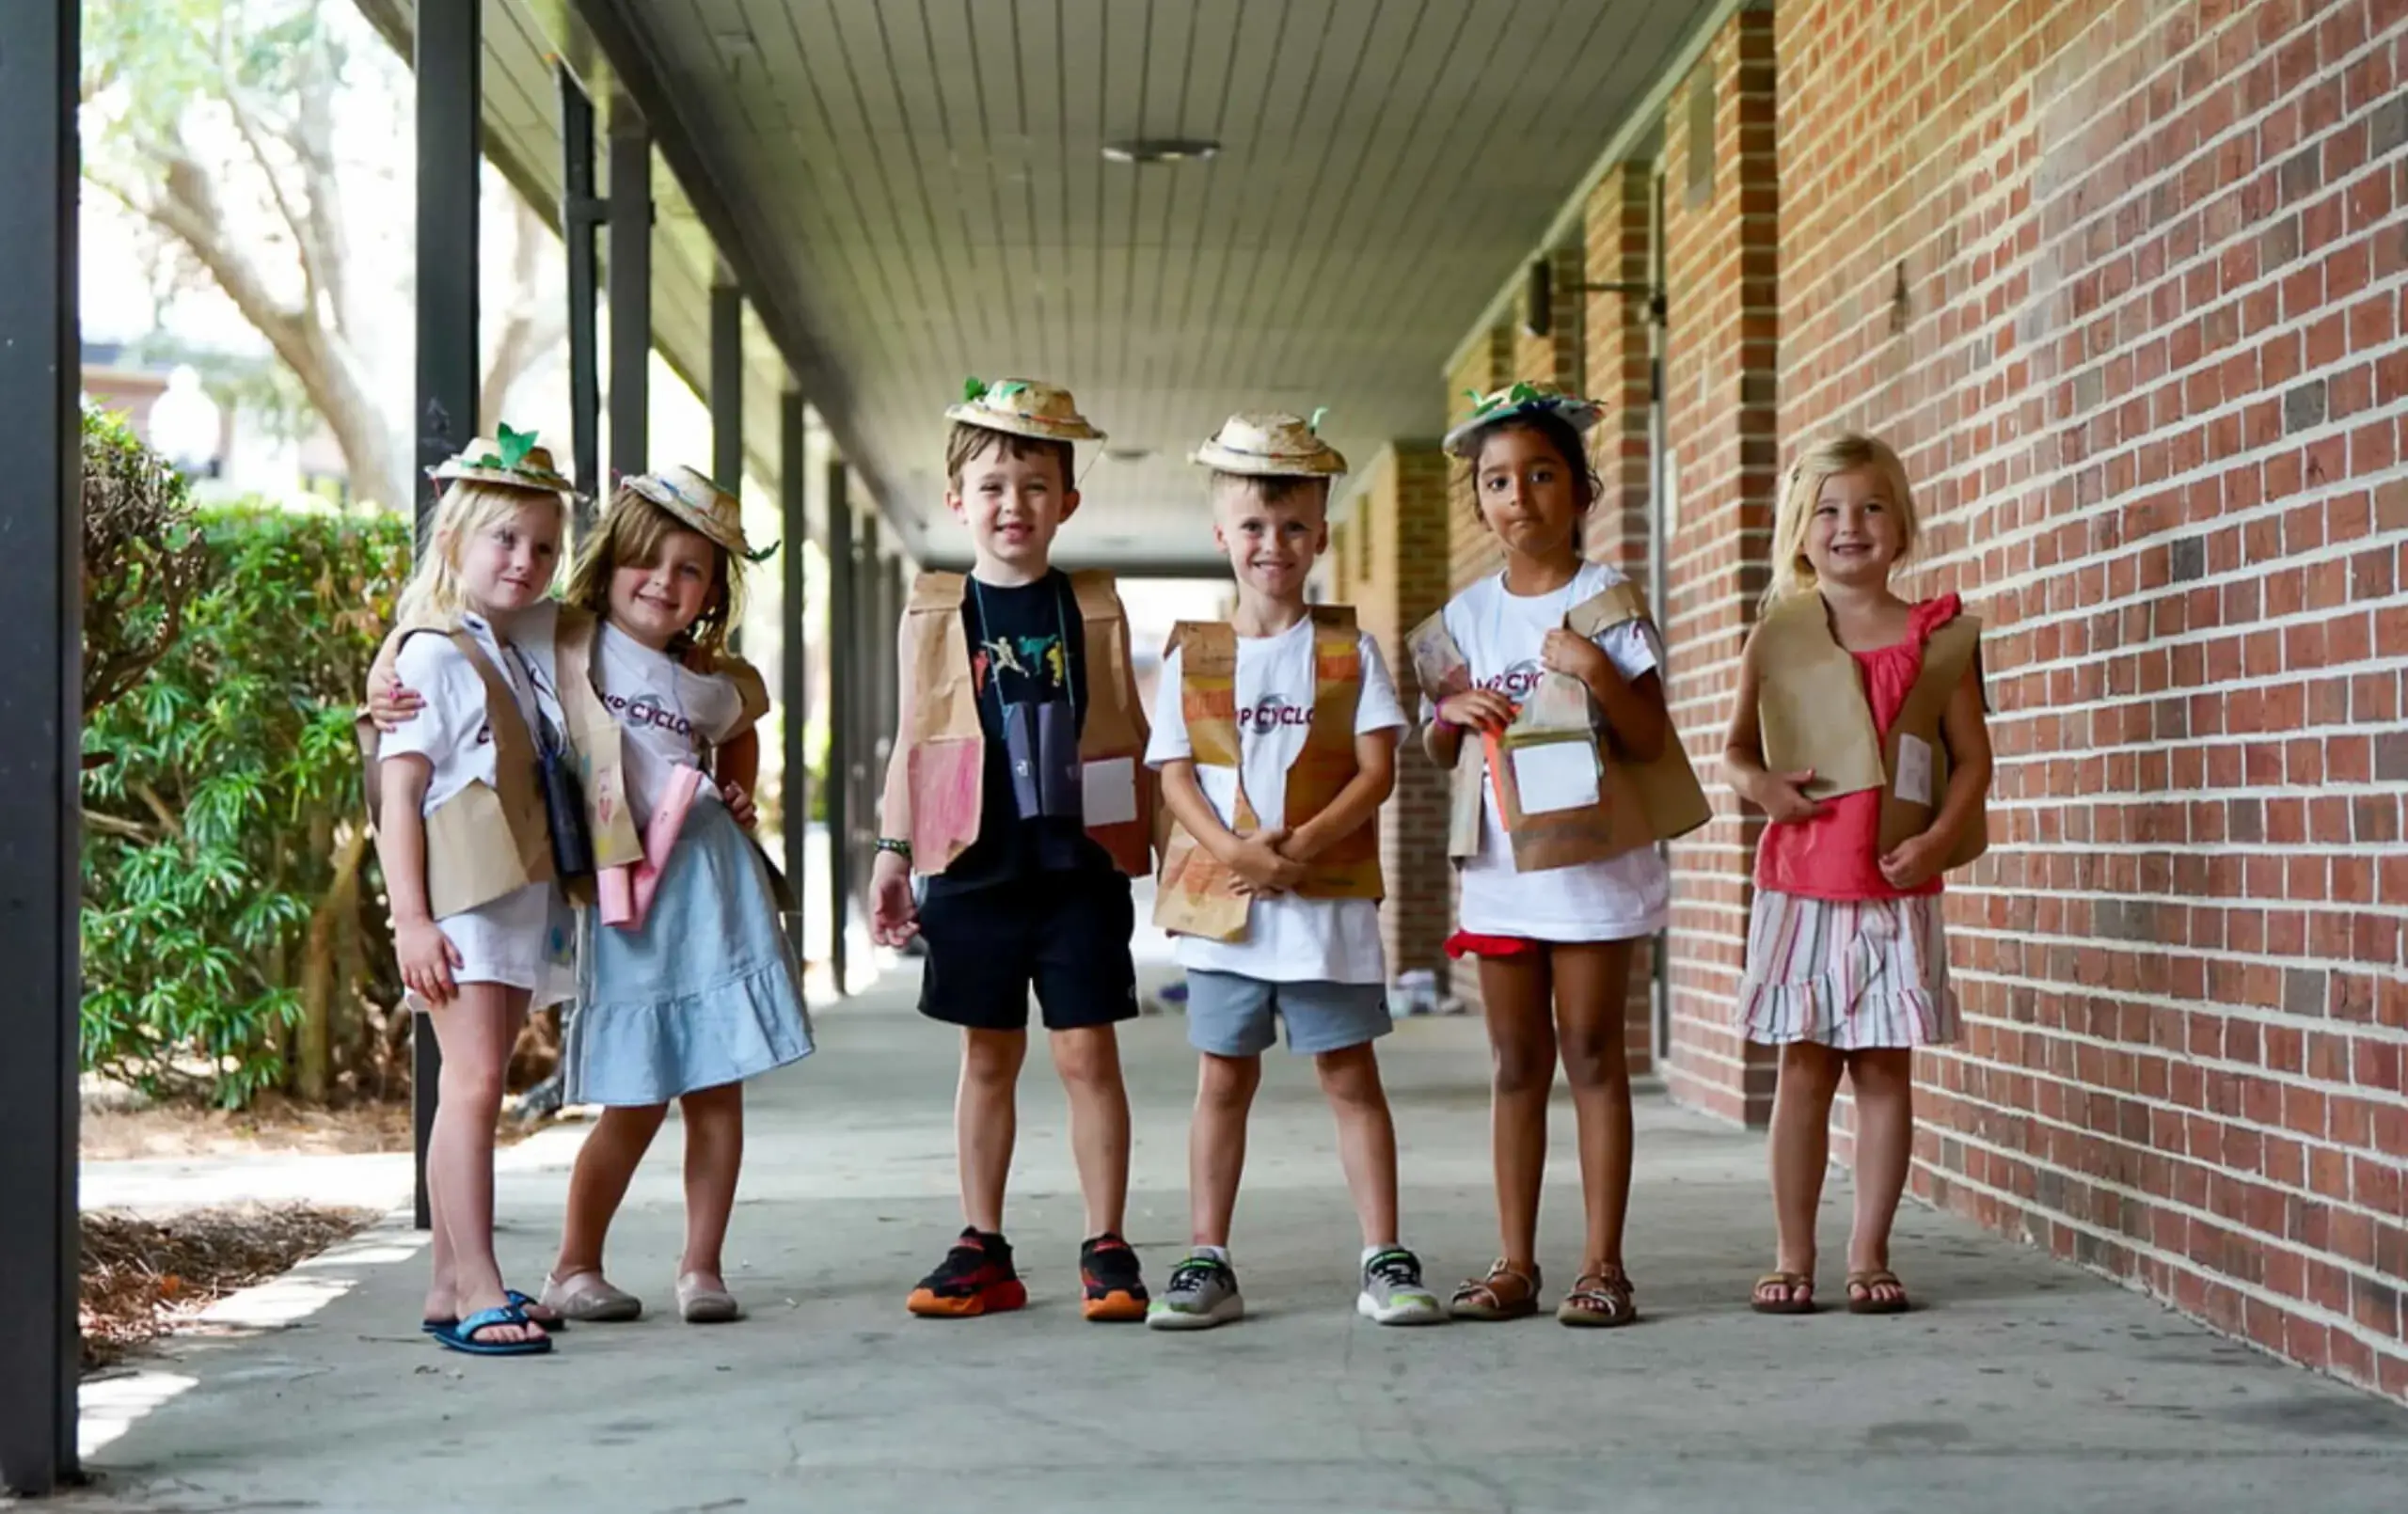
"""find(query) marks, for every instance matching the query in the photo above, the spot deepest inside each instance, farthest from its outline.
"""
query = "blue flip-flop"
(550, 1326)
(461, 1335)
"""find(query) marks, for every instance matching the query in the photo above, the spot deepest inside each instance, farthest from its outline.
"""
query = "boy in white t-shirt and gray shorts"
(1276, 735)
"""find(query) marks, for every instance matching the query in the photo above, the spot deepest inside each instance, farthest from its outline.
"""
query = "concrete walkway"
(2025, 1385)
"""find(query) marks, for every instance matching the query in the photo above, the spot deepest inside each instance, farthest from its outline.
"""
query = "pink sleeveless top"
(1838, 854)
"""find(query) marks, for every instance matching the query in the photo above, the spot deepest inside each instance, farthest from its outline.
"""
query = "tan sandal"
(1505, 1293)
(1870, 1279)
(1797, 1291)
(1600, 1299)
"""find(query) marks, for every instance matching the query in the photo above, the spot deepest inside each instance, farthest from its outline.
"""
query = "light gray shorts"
(1231, 1015)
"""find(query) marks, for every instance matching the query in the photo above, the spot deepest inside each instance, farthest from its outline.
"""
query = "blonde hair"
(1845, 453)
(468, 507)
(632, 531)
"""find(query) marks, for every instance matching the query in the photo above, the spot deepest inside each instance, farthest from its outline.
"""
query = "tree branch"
(247, 128)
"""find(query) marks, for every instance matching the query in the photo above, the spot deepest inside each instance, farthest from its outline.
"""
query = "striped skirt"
(1852, 975)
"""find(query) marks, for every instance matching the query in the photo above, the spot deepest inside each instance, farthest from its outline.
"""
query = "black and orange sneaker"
(975, 1278)
(1116, 1291)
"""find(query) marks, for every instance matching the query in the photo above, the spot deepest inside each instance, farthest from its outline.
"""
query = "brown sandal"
(1798, 1288)
(1599, 1299)
(1505, 1293)
(1879, 1277)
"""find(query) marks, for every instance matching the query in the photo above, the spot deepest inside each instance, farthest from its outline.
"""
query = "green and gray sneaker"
(1203, 1292)
(1393, 1292)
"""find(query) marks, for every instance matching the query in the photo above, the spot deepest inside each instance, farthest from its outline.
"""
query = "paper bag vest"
(1637, 804)
(1812, 714)
(945, 748)
(1197, 895)
(477, 842)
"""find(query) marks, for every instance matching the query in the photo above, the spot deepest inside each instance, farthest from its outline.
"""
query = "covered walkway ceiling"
(922, 189)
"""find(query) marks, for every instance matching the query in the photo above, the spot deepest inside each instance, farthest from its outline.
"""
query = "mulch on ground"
(143, 1278)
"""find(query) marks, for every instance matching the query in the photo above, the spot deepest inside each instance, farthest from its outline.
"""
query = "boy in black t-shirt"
(1014, 789)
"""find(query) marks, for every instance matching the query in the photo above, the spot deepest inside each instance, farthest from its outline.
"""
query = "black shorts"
(1066, 935)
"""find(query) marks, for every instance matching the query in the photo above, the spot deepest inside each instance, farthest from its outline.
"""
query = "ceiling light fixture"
(1161, 149)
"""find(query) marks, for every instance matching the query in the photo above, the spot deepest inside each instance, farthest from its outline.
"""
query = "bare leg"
(597, 1185)
(1883, 1082)
(1521, 1043)
(1350, 1078)
(1800, 1148)
(476, 1031)
(1088, 1060)
(1224, 1089)
(986, 1121)
(1591, 993)
(714, 1158)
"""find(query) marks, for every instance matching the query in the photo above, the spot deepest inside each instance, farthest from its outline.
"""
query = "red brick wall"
(1722, 284)
(2126, 283)
(1404, 509)
(1615, 359)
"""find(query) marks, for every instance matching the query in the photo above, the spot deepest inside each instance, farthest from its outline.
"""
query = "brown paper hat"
(514, 461)
(1513, 401)
(699, 503)
(1024, 408)
(1270, 445)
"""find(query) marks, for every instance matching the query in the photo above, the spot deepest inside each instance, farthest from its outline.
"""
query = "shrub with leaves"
(228, 921)
(143, 559)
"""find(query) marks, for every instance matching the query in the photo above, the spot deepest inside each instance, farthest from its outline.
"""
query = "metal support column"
(630, 279)
(449, 65)
(41, 737)
(842, 717)
(727, 403)
(869, 671)
(727, 387)
(580, 216)
(793, 658)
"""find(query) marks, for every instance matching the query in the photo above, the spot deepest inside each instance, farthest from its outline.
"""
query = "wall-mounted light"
(1161, 149)
(1538, 297)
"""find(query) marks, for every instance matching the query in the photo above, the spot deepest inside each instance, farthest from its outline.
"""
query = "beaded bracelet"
(900, 848)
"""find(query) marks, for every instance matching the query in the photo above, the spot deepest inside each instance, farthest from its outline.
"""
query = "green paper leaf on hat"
(973, 390)
(1314, 424)
(764, 554)
(515, 445)
(1008, 388)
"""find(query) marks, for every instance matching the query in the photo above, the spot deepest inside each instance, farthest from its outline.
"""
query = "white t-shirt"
(667, 711)
(1289, 939)
(1619, 899)
(524, 939)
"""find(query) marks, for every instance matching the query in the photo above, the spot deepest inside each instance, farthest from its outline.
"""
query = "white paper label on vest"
(1914, 769)
(1109, 791)
(1555, 774)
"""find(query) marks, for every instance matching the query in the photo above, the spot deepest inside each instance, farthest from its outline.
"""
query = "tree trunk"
(314, 1061)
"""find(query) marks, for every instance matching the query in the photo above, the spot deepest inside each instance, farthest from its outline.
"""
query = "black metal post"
(450, 67)
(727, 402)
(793, 655)
(842, 717)
(581, 215)
(630, 279)
(41, 737)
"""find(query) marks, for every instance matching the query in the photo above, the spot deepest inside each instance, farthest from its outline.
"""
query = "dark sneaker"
(1116, 1291)
(1203, 1292)
(975, 1278)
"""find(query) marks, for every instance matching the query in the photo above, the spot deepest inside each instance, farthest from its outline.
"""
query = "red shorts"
(1464, 943)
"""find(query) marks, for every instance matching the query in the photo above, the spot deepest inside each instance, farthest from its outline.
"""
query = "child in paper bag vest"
(1275, 733)
(481, 929)
(1860, 733)
(1015, 789)
(687, 986)
(1543, 687)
